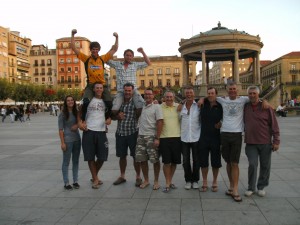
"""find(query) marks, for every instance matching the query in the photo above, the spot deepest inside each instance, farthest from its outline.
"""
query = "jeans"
(190, 174)
(261, 152)
(73, 148)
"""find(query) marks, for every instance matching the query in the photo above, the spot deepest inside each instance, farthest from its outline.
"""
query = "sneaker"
(195, 185)
(261, 193)
(68, 187)
(76, 185)
(188, 185)
(248, 193)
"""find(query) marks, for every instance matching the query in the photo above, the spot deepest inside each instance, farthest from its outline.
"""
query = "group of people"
(186, 132)
(15, 113)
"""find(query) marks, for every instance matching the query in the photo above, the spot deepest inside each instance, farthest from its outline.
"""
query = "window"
(76, 69)
(150, 83)
(36, 80)
(49, 63)
(69, 86)
(36, 63)
(61, 61)
(68, 60)
(69, 79)
(76, 78)
(68, 52)
(61, 52)
(75, 60)
(293, 67)
(142, 83)
(36, 71)
(176, 71)
(43, 71)
(142, 72)
(43, 79)
(159, 82)
(177, 82)
(168, 82)
(65, 45)
(43, 62)
(151, 72)
(168, 71)
(77, 44)
(62, 69)
(62, 79)
(159, 72)
(69, 69)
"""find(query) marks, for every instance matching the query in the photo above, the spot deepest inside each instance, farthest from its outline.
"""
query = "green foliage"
(295, 92)
(6, 89)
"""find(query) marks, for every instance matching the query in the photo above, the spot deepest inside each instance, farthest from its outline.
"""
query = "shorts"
(145, 149)
(211, 146)
(88, 93)
(125, 142)
(94, 143)
(170, 150)
(231, 146)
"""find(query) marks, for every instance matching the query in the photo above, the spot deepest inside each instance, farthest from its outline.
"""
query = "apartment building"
(165, 71)
(70, 70)
(4, 32)
(43, 69)
(18, 58)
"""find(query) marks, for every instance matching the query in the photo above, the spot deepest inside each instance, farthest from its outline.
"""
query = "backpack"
(86, 64)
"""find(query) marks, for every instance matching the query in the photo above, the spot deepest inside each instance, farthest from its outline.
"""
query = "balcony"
(42, 73)
(151, 74)
(35, 64)
(36, 74)
(42, 64)
(49, 64)
(176, 74)
(293, 83)
(49, 73)
(294, 71)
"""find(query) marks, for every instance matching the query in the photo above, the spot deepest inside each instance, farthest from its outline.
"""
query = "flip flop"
(214, 188)
(120, 180)
(143, 186)
(229, 192)
(173, 186)
(156, 187)
(203, 189)
(100, 181)
(237, 198)
(166, 189)
(96, 186)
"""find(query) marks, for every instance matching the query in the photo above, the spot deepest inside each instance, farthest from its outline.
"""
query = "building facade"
(43, 69)
(4, 32)
(70, 70)
(164, 71)
(19, 64)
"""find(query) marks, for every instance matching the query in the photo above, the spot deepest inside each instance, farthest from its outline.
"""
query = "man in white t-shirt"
(231, 135)
(94, 140)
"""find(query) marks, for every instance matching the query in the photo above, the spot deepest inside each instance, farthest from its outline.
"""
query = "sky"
(156, 25)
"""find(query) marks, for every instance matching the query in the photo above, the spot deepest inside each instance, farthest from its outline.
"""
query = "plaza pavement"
(31, 186)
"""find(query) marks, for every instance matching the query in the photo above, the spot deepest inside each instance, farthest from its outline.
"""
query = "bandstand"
(221, 44)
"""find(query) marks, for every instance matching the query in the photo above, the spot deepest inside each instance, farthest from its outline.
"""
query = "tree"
(295, 92)
(6, 89)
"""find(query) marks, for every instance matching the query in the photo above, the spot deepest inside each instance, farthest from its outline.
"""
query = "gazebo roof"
(219, 44)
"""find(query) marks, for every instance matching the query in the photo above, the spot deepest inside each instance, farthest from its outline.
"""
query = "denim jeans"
(191, 173)
(73, 148)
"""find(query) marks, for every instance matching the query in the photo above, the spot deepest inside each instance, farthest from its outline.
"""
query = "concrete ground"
(31, 186)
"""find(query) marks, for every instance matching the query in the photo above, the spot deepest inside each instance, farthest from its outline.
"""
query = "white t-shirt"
(233, 113)
(95, 116)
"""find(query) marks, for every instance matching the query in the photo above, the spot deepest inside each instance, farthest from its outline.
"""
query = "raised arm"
(115, 47)
(74, 31)
(147, 60)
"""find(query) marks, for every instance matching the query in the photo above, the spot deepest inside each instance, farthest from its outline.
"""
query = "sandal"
(203, 189)
(214, 188)
(96, 186)
(99, 182)
(237, 198)
(173, 186)
(166, 189)
(229, 192)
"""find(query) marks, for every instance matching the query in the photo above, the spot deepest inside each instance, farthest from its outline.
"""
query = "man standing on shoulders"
(231, 136)
(211, 116)
(261, 138)
(151, 122)
(170, 144)
(126, 134)
(94, 68)
(190, 134)
(94, 140)
(126, 72)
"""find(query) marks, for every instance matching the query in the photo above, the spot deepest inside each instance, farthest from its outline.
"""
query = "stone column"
(254, 76)
(258, 68)
(185, 66)
(236, 66)
(207, 72)
(204, 78)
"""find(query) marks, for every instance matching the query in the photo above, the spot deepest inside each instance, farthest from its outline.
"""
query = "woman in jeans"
(70, 141)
